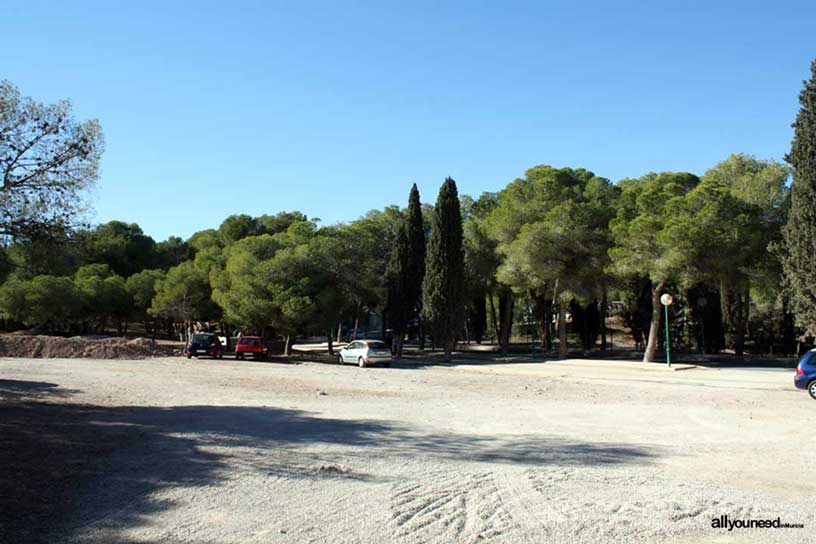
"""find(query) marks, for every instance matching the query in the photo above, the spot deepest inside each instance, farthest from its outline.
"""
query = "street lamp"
(666, 300)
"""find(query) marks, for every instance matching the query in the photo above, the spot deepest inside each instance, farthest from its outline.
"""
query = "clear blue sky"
(214, 108)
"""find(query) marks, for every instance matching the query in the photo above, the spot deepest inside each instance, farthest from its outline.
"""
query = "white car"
(365, 353)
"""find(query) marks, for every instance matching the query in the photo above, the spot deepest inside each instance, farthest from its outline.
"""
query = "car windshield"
(201, 338)
(249, 341)
(377, 345)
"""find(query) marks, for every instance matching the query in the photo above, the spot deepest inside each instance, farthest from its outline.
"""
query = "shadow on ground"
(68, 465)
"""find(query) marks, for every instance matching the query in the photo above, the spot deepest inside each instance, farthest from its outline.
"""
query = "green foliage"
(363, 250)
(241, 289)
(415, 265)
(48, 160)
(800, 231)
(443, 289)
(273, 224)
(400, 305)
(13, 300)
(52, 301)
(122, 246)
(141, 287)
(726, 224)
(287, 281)
(184, 295)
(172, 252)
(101, 293)
(236, 227)
(31, 256)
(552, 231)
(644, 215)
(481, 262)
(722, 233)
(642, 229)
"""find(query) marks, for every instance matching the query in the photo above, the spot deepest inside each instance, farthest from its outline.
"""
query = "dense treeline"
(552, 253)
(557, 242)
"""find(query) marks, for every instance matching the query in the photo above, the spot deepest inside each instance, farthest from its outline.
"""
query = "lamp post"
(666, 300)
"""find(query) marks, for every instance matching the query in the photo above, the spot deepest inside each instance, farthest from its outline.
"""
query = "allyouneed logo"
(724, 522)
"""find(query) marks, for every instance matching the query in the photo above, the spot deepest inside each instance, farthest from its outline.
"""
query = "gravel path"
(171, 450)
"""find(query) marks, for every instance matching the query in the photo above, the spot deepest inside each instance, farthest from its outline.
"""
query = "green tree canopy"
(443, 285)
(643, 244)
(47, 162)
(800, 231)
(184, 295)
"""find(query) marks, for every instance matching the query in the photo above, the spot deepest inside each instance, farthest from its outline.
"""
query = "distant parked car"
(806, 373)
(365, 353)
(250, 345)
(204, 343)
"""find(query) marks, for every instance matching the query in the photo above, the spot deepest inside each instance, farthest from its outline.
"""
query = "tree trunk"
(493, 316)
(339, 331)
(286, 345)
(742, 321)
(356, 324)
(604, 310)
(506, 304)
(331, 345)
(449, 346)
(654, 326)
(383, 325)
(562, 330)
(421, 334)
(735, 303)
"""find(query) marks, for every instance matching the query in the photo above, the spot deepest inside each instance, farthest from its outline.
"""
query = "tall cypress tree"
(800, 232)
(399, 306)
(415, 271)
(443, 286)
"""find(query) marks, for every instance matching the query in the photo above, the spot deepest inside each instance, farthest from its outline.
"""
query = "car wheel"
(361, 362)
(812, 389)
(339, 359)
(189, 356)
(387, 365)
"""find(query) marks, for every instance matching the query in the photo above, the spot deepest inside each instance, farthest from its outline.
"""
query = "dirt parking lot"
(171, 450)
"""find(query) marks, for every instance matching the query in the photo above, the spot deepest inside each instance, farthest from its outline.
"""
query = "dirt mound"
(13, 345)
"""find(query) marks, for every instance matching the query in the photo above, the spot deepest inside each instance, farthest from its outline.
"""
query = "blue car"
(806, 373)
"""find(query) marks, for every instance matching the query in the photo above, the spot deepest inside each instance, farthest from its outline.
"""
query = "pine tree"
(800, 232)
(399, 305)
(416, 257)
(443, 285)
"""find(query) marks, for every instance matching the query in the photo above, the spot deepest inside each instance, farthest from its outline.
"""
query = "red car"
(250, 345)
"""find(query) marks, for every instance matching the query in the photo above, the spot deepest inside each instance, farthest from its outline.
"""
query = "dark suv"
(806, 373)
(204, 343)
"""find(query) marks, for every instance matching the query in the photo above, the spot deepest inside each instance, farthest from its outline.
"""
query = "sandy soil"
(171, 450)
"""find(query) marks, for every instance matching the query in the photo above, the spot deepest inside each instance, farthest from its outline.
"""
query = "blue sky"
(214, 108)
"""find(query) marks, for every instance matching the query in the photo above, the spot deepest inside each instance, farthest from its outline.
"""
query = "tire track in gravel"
(449, 507)
(591, 504)
(525, 504)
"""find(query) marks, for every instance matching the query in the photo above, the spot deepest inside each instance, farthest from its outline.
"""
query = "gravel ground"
(171, 450)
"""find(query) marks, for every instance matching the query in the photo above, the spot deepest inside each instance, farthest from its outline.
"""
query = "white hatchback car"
(365, 353)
